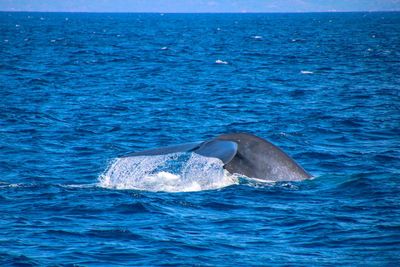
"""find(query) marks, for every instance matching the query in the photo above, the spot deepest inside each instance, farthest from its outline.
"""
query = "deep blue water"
(78, 90)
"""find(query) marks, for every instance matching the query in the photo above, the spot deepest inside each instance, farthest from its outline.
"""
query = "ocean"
(78, 90)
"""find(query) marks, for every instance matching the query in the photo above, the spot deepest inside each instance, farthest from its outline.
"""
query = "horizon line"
(201, 12)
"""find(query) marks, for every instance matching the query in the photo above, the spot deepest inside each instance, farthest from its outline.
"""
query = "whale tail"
(243, 154)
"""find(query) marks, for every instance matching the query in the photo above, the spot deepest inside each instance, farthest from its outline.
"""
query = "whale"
(242, 154)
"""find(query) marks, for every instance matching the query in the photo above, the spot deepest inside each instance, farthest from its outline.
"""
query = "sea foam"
(178, 172)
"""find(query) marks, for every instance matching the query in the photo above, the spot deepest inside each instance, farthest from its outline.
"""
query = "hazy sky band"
(194, 6)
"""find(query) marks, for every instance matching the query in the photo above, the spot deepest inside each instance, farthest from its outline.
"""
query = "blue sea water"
(79, 90)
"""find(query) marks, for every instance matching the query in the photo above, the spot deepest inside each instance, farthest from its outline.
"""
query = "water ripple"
(78, 93)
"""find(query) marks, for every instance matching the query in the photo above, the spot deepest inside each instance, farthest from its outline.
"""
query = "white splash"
(178, 172)
(306, 72)
(218, 61)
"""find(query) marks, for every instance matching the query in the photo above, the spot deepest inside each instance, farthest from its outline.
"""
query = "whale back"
(258, 158)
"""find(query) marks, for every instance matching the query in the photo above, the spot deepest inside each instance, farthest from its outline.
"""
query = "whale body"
(242, 154)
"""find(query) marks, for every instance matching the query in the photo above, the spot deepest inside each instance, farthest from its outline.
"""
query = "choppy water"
(79, 90)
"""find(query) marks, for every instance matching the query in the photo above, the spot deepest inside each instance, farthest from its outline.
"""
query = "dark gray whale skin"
(258, 158)
(243, 154)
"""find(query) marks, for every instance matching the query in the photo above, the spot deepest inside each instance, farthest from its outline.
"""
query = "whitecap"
(259, 37)
(17, 185)
(306, 72)
(164, 48)
(218, 61)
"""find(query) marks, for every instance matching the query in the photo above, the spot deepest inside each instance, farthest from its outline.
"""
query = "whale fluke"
(243, 154)
(187, 147)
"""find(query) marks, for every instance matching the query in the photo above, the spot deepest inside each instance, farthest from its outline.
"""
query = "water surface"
(79, 90)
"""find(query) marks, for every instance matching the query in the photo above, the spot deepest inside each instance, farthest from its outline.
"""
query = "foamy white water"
(178, 172)
(218, 61)
(306, 72)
